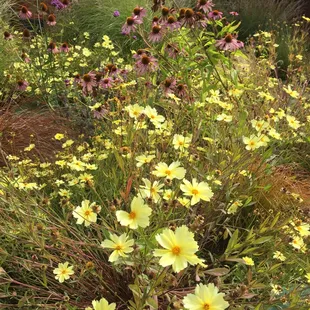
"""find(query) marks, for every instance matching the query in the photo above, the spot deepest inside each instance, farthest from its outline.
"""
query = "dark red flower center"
(203, 2)
(106, 81)
(24, 10)
(20, 83)
(6, 34)
(26, 33)
(51, 18)
(156, 29)
(171, 20)
(228, 38)
(165, 11)
(137, 11)
(65, 45)
(65, 2)
(87, 78)
(140, 51)
(155, 19)
(130, 21)
(189, 13)
(145, 60)
(168, 83)
(52, 46)
(215, 12)
(98, 76)
(180, 87)
(44, 7)
(182, 12)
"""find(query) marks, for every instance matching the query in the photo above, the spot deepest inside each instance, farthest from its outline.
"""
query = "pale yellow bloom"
(251, 143)
(308, 277)
(198, 191)
(248, 261)
(138, 217)
(173, 171)
(121, 245)
(181, 142)
(278, 255)
(150, 190)
(206, 297)
(179, 248)
(103, 304)
(293, 122)
(144, 159)
(85, 214)
(63, 272)
(224, 117)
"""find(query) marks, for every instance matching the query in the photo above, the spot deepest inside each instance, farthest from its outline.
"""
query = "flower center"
(65, 45)
(156, 29)
(168, 172)
(228, 38)
(24, 10)
(20, 83)
(64, 271)
(189, 13)
(215, 12)
(171, 20)
(165, 11)
(167, 83)
(195, 192)
(26, 33)
(155, 19)
(51, 18)
(118, 247)
(206, 307)
(52, 45)
(130, 21)
(203, 2)
(87, 78)
(176, 250)
(145, 60)
(87, 213)
(6, 34)
(132, 215)
(137, 11)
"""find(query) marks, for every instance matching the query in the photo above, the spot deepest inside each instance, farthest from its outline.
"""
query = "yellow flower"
(197, 191)
(120, 245)
(134, 110)
(173, 171)
(59, 136)
(179, 248)
(252, 142)
(139, 215)
(150, 190)
(152, 114)
(292, 93)
(303, 229)
(292, 122)
(85, 214)
(298, 243)
(181, 142)
(308, 277)
(29, 148)
(224, 117)
(206, 297)
(278, 255)
(144, 159)
(248, 261)
(63, 272)
(103, 304)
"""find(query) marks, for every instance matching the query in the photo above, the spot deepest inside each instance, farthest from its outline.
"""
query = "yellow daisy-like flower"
(248, 261)
(181, 142)
(150, 190)
(292, 122)
(173, 171)
(280, 256)
(179, 248)
(85, 214)
(251, 143)
(308, 277)
(144, 159)
(120, 244)
(139, 215)
(63, 272)
(198, 191)
(59, 136)
(206, 297)
(103, 304)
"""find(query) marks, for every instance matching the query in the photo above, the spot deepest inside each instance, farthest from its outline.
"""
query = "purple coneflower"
(229, 43)
(106, 83)
(156, 34)
(233, 13)
(67, 82)
(189, 17)
(155, 20)
(116, 13)
(139, 12)
(130, 25)
(77, 79)
(43, 7)
(51, 20)
(25, 58)
(215, 14)
(205, 5)
(65, 3)
(180, 90)
(172, 51)
(52, 48)
(100, 112)
(139, 53)
(22, 85)
(172, 23)
(240, 44)
(64, 47)
(26, 34)
(7, 35)
(88, 82)
(111, 70)
(58, 4)
(201, 19)
(24, 13)
(169, 86)
(146, 64)
(164, 13)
